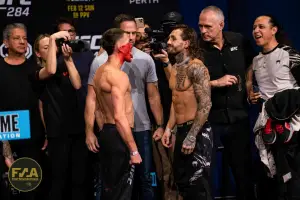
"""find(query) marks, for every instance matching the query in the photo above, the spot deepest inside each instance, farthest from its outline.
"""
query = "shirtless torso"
(106, 78)
(189, 94)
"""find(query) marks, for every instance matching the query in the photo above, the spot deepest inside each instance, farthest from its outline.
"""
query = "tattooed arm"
(199, 76)
(249, 77)
(7, 153)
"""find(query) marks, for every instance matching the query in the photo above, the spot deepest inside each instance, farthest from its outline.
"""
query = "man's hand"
(188, 145)
(163, 56)
(166, 138)
(136, 159)
(9, 162)
(226, 80)
(92, 142)
(45, 144)
(158, 134)
(61, 34)
(144, 47)
(253, 97)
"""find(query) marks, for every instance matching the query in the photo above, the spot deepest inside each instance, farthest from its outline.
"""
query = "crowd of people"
(135, 111)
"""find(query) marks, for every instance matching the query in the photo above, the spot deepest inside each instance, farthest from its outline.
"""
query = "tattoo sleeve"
(249, 77)
(7, 150)
(199, 76)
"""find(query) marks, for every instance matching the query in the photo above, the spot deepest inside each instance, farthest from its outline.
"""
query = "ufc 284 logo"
(15, 8)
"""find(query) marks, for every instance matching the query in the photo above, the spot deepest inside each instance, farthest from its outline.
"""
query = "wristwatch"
(134, 153)
(166, 64)
(160, 126)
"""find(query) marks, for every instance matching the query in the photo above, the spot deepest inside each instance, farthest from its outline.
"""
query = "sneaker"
(284, 131)
(269, 135)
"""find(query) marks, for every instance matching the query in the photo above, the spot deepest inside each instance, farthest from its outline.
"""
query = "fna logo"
(25, 174)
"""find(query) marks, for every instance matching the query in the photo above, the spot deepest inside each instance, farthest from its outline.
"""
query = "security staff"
(227, 56)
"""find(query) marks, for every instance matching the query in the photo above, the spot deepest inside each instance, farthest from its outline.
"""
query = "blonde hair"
(36, 47)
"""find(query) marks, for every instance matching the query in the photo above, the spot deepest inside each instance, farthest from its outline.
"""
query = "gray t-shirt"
(97, 62)
(273, 71)
(141, 70)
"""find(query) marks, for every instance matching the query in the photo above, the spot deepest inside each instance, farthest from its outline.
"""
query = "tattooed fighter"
(190, 84)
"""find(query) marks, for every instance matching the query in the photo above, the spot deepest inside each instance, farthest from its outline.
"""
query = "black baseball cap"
(173, 17)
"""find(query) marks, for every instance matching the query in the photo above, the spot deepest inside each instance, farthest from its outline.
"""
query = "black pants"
(117, 174)
(287, 159)
(4, 191)
(192, 172)
(68, 167)
(235, 138)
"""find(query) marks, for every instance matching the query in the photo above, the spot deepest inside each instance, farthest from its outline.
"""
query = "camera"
(158, 38)
(76, 45)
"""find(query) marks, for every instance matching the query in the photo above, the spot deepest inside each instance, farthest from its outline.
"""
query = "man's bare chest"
(179, 80)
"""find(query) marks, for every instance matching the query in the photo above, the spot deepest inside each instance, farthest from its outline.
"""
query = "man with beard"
(190, 84)
(113, 93)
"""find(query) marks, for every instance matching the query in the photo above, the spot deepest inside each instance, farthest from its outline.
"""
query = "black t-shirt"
(18, 92)
(82, 61)
(229, 104)
(61, 105)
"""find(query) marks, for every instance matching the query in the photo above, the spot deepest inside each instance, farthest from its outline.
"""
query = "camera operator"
(142, 39)
(65, 127)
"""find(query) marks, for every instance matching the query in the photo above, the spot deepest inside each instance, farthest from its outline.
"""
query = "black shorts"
(117, 173)
(192, 172)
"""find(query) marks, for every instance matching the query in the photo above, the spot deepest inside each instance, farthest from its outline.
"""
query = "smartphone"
(255, 88)
(140, 22)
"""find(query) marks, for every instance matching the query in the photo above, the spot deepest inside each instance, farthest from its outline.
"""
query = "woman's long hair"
(280, 35)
